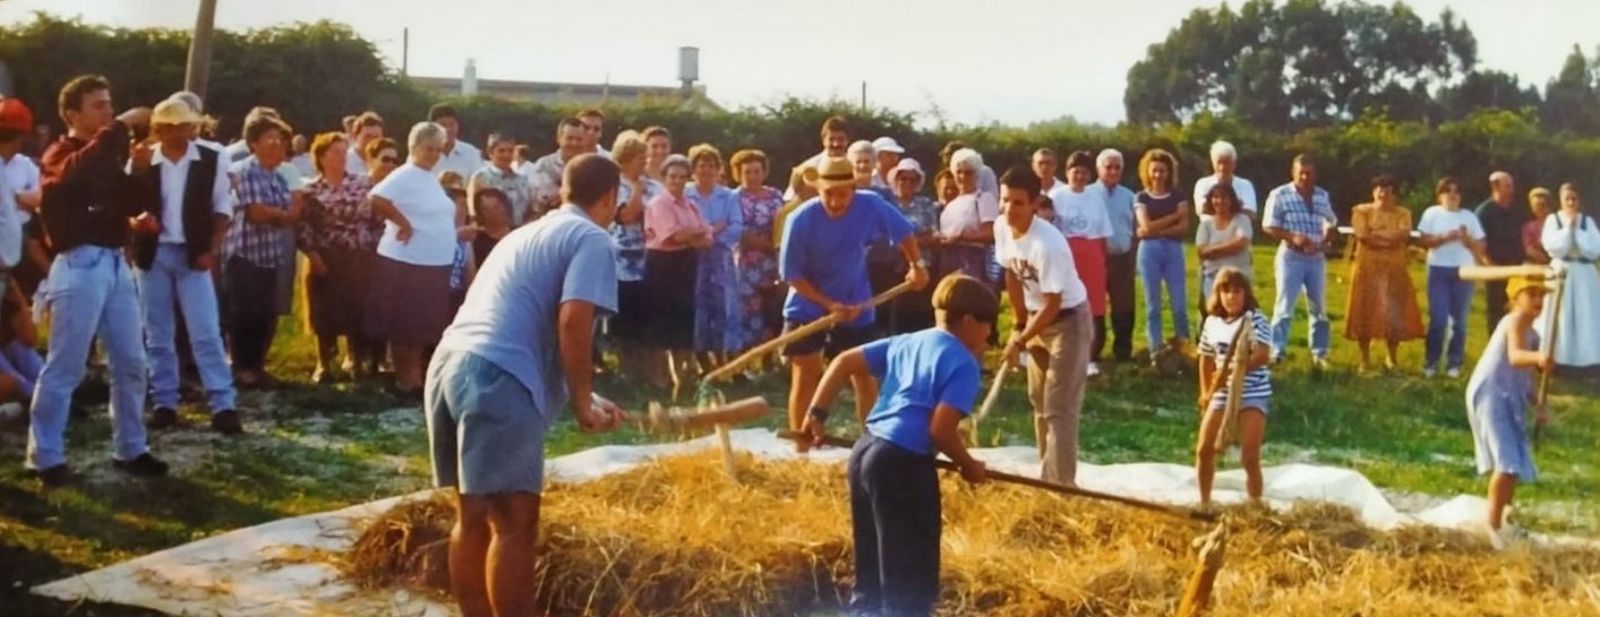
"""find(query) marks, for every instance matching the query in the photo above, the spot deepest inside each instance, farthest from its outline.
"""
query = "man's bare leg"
(469, 549)
(514, 521)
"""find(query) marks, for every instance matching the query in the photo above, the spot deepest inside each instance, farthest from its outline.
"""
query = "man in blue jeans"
(1300, 216)
(186, 188)
(88, 204)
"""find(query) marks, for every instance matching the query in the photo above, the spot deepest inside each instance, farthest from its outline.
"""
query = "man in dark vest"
(88, 204)
(186, 190)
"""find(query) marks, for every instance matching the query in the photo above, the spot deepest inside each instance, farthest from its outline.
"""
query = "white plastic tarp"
(260, 571)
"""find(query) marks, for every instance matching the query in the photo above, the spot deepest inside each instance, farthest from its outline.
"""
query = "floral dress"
(629, 237)
(757, 269)
(716, 279)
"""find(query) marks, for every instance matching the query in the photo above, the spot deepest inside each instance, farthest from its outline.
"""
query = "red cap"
(15, 116)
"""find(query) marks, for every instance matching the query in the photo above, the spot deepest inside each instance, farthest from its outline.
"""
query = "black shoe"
(162, 417)
(226, 422)
(56, 477)
(143, 466)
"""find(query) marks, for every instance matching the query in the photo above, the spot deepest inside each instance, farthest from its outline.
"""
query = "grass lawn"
(312, 449)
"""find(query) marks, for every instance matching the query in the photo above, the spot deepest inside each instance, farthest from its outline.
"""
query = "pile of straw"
(675, 537)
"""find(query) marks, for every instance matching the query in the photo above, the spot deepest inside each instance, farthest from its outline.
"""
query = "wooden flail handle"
(821, 324)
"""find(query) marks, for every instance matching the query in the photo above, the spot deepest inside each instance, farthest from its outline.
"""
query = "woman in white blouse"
(1573, 242)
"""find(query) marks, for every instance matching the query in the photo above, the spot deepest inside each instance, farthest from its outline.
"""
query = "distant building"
(689, 95)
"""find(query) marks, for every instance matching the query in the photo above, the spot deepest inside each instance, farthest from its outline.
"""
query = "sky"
(955, 58)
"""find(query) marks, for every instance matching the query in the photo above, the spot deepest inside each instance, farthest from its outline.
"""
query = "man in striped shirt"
(1301, 217)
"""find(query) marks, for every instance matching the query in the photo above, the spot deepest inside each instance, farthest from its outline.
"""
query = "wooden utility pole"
(199, 69)
(405, 51)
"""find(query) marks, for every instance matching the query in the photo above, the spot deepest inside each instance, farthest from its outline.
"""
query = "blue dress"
(1497, 406)
(716, 296)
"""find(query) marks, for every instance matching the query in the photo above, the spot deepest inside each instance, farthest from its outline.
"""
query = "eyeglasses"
(392, 160)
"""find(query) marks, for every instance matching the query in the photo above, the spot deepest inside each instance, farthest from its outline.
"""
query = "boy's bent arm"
(945, 432)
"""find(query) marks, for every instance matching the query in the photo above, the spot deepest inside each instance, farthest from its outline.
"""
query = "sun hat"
(173, 112)
(887, 144)
(907, 165)
(1519, 284)
(14, 115)
(836, 171)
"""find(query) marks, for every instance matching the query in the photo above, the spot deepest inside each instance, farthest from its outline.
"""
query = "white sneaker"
(1454, 373)
(1429, 372)
(1094, 369)
(1319, 363)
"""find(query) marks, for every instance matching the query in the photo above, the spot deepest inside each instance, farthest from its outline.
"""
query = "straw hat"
(173, 112)
(835, 171)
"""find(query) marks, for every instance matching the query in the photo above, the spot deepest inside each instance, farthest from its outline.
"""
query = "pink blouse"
(666, 215)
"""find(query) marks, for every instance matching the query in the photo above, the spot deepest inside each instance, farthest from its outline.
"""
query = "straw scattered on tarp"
(675, 537)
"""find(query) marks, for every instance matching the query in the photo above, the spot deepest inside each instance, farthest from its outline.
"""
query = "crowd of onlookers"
(180, 254)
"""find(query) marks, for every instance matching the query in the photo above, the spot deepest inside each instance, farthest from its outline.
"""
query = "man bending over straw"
(929, 382)
(501, 373)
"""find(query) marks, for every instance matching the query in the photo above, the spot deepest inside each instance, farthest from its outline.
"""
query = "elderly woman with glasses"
(409, 305)
(265, 206)
(716, 281)
(336, 233)
(966, 224)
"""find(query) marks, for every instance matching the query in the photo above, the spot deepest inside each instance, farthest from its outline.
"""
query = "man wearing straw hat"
(823, 258)
(187, 190)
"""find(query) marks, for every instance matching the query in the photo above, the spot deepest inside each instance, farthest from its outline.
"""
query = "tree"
(1572, 99)
(1482, 90)
(1305, 63)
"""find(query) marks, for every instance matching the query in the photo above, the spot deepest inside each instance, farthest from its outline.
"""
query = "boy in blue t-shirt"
(928, 382)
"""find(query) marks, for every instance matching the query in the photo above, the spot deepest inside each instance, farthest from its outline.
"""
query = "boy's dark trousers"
(894, 510)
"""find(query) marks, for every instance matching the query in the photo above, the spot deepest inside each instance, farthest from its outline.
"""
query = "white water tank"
(688, 66)
(469, 80)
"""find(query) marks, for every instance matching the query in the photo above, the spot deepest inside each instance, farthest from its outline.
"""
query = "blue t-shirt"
(917, 372)
(509, 316)
(831, 253)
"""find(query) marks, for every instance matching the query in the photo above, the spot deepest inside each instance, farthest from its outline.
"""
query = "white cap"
(887, 144)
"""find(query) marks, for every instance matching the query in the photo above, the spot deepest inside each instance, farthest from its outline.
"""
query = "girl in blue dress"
(1498, 396)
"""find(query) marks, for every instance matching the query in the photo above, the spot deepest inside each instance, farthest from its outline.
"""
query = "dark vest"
(197, 209)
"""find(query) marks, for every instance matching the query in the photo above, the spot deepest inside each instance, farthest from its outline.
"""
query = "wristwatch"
(820, 414)
(922, 263)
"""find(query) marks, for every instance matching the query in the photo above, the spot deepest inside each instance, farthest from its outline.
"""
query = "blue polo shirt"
(509, 316)
(917, 372)
(831, 253)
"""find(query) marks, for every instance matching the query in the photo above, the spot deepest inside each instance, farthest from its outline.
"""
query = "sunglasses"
(392, 160)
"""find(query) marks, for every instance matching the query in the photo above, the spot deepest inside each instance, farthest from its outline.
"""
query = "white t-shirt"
(1241, 187)
(354, 162)
(1083, 215)
(416, 193)
(1056, 193)
(465, 159)
(967, 212)
(22, 174)
(10, 223)
(1437, 221)
(174, 179)
(1041, 262)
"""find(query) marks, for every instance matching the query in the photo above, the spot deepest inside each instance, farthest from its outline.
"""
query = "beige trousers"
(1058, 370)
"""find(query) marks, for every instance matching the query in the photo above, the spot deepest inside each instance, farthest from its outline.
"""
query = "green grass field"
(312, 449)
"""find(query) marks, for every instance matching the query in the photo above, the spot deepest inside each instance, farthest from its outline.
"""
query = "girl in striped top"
(1232, 305)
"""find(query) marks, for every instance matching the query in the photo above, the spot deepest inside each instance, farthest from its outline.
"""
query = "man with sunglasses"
(594, 127)
(1052, 322)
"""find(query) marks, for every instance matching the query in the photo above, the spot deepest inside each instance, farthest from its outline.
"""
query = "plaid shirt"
(1287, 210)
(256, 243)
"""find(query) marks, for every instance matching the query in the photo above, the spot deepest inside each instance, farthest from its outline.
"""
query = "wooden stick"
(991, 398)
(999, 476)
(1542, 397)
(821, 324)
(1500, 273)
(1243, 343)
(661, 421)
(1213, 547)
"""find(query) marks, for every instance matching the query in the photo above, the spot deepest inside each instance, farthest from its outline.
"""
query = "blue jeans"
(1161, 261)
(90, 292)
(171, 285)
(1295, 272)
(1449, 301)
